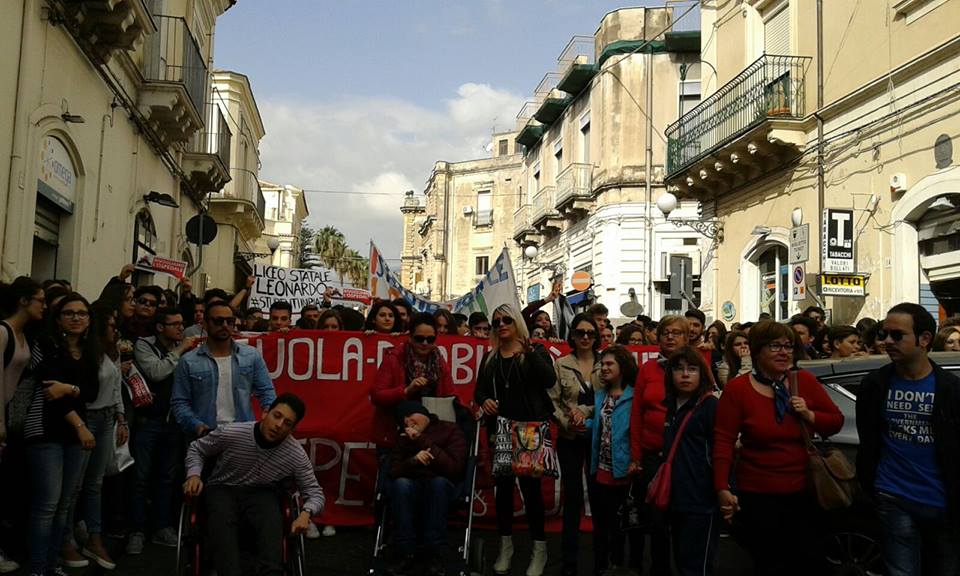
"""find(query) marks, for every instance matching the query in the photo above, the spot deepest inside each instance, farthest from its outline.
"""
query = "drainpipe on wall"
(16, 154)
(648, 168)
(821, 185)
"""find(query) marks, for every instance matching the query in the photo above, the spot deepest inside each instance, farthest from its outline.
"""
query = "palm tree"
(359, 272)
(331, 245)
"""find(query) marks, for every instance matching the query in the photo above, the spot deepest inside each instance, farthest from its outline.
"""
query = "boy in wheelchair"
(425, 465)
(251, 460)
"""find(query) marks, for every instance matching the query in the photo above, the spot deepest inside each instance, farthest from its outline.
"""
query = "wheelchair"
(193, 558)
(470, 556)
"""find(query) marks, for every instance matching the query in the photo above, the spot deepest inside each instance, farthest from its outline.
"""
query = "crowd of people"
(720, 412)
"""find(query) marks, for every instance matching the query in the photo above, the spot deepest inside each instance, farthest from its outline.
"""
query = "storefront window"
(774, 285)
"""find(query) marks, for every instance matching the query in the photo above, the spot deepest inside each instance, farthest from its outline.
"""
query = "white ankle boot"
(539, 558)
(502, 565)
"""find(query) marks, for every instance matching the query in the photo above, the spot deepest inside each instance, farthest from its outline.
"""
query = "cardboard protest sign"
(299, 287)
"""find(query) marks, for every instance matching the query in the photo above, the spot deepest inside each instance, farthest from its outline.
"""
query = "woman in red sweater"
(767, 495)
(647, 416)
(410, 371)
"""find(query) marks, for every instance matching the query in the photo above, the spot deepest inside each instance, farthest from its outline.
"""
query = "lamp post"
(272, 245)
(712, 228)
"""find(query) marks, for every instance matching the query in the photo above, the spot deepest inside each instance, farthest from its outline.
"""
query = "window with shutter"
(776, 31)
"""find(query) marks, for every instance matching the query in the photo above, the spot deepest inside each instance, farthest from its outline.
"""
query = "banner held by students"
(299, 287)
(498, 286)
(159, 264)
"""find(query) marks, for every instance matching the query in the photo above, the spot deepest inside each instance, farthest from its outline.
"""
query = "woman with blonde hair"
(513, 383)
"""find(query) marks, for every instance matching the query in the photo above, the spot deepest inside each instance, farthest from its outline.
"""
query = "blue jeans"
(156, 446)
(427, 499)
(100, 423)
(55, 474)
(917, 538)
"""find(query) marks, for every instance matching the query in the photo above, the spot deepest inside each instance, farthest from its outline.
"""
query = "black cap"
(410, 407)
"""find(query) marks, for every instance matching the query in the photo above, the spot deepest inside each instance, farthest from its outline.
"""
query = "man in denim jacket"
(213, 384)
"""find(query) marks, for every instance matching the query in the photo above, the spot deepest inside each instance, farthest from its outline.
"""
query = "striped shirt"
(243, 462)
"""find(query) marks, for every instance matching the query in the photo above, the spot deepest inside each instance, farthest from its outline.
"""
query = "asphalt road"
(349, 554)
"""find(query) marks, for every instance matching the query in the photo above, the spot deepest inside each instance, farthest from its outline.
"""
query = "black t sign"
(838, 240)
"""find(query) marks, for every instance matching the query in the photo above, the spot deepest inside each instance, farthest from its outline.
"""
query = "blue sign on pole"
(533, 293)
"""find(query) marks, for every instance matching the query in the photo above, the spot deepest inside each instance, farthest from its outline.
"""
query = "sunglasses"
(147, 302)
(504, 320)
(221, 320)
(895, 335)
(424, 339)
(578, 333)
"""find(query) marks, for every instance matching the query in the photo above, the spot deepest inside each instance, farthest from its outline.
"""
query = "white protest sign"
(299, 287)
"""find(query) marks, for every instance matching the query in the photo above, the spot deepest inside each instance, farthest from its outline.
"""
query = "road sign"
(581, 280)
(799, 277)
(843, 285)
(837, 241)
(800, 244)
(728, 311)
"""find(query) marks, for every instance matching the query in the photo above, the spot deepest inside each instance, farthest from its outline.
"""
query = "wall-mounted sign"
(799, 244)
(838, 241)
(57, 180)
(581, 280)
(533, 293)
(799, 277)
(843, 285)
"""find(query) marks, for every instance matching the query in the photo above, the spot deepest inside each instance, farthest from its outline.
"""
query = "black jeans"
(532, 493)
(694, 538)
(781, 532)
(255, 509)
(659, 532)
(572, 454)
(608, 539)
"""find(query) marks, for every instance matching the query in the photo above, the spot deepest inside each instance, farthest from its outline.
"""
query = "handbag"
(523, 448)
(19, 405)
(632, 514)
(833, 479)
(658, 492)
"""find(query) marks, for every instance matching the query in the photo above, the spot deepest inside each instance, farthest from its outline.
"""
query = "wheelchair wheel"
(188, 545)
(296, 556)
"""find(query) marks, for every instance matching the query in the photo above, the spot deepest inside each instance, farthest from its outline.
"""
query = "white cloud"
(382, 145)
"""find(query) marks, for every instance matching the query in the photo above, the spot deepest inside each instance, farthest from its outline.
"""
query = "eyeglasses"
(172, 324)
(504, 320)
(686, 369)
(895, 335)
(578, 333)
(147, 302)
(75, 314)
(221, 320)
(672, 333)
(424, 339)
(780, 347)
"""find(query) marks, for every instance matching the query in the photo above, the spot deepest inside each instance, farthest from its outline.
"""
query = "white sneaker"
(312, 532)
(7, 565)
(329, 530)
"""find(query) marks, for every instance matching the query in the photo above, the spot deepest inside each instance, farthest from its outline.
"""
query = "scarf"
(429, 368)
(781, 395)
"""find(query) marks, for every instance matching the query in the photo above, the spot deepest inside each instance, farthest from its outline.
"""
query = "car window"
(849, 382)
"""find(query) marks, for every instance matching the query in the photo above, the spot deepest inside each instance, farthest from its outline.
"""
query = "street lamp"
(272, 244)
(712, 229)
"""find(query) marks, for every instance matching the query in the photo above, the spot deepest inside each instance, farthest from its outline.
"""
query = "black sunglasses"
(147, 302)
(221, 320)
(578, 333)
(424, 339)
(505, 320)
(895, 335)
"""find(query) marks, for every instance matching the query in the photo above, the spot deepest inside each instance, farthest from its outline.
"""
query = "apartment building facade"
(830, 167)
(110, 141)
(286, 210)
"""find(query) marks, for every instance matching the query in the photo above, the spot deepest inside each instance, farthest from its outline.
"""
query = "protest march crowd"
(715, 430)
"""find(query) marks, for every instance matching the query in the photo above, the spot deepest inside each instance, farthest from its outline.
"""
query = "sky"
(362, 97)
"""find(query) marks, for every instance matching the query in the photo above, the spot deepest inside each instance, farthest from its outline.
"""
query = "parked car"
(853, 544)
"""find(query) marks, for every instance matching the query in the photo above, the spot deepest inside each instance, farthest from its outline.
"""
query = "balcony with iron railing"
(755, 115)
(175, 80)
(577, 65)
(207, 159)
(543, 215)
(241, 203)
(103, 28)
(529, 130)
(574, 188)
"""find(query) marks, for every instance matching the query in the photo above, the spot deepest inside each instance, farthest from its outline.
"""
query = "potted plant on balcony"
(777, 96)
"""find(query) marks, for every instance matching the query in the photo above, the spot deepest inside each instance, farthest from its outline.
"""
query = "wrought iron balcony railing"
(771, 87)
(216, 136)
(576, 181)
(172, 55)
(542, 203)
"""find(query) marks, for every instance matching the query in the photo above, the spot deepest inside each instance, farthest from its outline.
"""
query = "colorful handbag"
(524, 449)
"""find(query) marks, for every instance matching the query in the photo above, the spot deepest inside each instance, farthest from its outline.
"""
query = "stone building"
(286, 210)
(109, 139)
(862, 125)
(456, 230)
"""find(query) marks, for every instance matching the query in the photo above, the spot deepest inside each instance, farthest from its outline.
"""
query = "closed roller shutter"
(776, 32)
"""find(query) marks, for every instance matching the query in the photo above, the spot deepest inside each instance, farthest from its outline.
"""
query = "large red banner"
(333, 373)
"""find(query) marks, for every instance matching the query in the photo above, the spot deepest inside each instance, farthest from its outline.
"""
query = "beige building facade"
(593, 167)
(106, 124)
(454, 233)
(286, 210)
(865, 129)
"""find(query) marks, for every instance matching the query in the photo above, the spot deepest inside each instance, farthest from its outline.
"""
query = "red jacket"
(388, 391)
(648, 412)
(773, 458)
